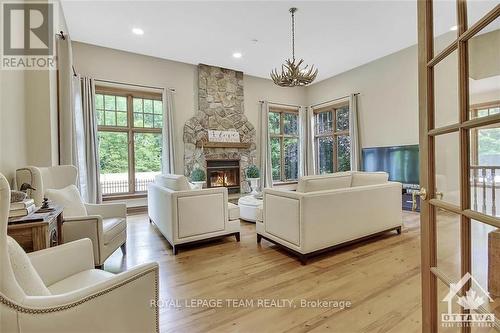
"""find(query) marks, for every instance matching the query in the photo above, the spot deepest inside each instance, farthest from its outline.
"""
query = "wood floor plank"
(379, 276)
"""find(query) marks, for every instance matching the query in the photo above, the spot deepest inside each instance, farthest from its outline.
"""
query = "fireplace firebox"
(224, 173)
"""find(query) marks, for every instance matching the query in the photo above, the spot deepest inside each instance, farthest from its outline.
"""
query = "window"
(130, 140)
(485, 141)
(332, 140)
(284, 136)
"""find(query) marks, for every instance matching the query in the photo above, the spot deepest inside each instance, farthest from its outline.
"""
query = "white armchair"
(184, 215)
(58, 289)
(104, 224)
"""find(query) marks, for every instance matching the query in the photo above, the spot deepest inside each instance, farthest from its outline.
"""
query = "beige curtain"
(266, 170)
(168, 146)
(354, 133)
(310, 146)
(86, 141)
(66, 100)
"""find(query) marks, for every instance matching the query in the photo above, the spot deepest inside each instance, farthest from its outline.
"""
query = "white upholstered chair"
(104, 224)
(58, 289)
(185, 215)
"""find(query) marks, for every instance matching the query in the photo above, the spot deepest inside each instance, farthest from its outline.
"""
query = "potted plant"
(198, 177)
(253, 175)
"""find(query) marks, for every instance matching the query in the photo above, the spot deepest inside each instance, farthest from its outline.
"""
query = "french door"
(459, 67)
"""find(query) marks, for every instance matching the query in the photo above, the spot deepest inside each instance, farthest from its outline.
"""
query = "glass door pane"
(476, 9)
(446, 91)
(445, 24)
(447, 157)
(448, 244)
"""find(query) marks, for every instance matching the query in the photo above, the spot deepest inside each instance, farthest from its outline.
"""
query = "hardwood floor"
(379, 276)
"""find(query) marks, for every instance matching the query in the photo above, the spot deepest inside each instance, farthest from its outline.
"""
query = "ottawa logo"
(474, 300)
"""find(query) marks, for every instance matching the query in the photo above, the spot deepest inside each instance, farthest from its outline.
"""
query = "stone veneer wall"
(221, 107)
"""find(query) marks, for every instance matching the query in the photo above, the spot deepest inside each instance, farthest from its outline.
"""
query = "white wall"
(126, 67)
(13, 131)
(387, 101)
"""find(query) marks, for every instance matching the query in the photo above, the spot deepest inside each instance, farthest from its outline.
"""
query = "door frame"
(427, 135)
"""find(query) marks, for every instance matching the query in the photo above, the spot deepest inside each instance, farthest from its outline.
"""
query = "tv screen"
(400, 162)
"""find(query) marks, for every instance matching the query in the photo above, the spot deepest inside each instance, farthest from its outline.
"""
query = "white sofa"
(185, 215)
(329, 210)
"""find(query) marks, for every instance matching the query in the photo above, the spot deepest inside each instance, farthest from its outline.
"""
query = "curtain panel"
(266, 170)
(87, 141)
(168, 133)
(66, 102)
(306, 142)
(310, 148)
(354, 133)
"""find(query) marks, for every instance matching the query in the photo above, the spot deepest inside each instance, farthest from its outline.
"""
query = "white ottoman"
(248, 207)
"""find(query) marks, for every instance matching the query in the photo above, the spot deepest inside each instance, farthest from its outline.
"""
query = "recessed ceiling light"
(138, 31)
(237, 55)
(453, 28)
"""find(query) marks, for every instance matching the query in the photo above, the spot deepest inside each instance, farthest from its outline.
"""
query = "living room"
(180, 163)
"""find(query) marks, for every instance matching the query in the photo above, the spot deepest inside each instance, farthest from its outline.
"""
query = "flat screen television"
(400, 162)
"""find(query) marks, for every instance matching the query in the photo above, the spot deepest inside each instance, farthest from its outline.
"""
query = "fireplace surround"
(224, 173)
(220, 107)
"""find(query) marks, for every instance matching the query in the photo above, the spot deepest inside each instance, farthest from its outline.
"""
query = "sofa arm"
(56, 263)
(205, 191)
(127, 302)
(107, 210)
(90, 226)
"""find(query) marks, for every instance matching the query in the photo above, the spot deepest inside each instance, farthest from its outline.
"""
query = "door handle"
(422, 194)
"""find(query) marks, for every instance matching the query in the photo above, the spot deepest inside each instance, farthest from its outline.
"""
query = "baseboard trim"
(304, 257)
(137, 210)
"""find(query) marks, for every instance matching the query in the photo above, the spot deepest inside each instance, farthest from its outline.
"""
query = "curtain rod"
(282, 104)
(133, 84)
(333, 100)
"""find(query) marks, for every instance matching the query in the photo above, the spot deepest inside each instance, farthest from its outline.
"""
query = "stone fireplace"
(220, 107)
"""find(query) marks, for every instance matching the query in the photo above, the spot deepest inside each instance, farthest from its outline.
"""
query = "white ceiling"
(334, 35)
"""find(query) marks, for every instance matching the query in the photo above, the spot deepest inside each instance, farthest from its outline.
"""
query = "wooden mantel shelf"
(206, 144)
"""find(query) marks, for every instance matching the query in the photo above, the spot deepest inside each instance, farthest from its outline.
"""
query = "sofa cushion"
(331, 181)
(369, 178)
(79, 280)
(173, 182)
(69, 199)
(234, 211)
(112, 227)
(26, 275)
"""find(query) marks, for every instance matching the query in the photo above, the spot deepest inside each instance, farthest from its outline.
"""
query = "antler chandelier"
(291, 73)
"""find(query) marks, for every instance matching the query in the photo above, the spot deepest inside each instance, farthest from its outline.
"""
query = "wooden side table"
(37, 231)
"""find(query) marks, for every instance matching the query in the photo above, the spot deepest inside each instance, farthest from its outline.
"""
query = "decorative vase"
(254, 184)
(198, 184)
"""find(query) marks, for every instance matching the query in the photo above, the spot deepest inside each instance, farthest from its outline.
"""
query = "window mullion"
(131, 146)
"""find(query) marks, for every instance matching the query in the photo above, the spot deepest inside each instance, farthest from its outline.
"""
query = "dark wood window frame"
(130, 130)
(334, 134)
(281, 136)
